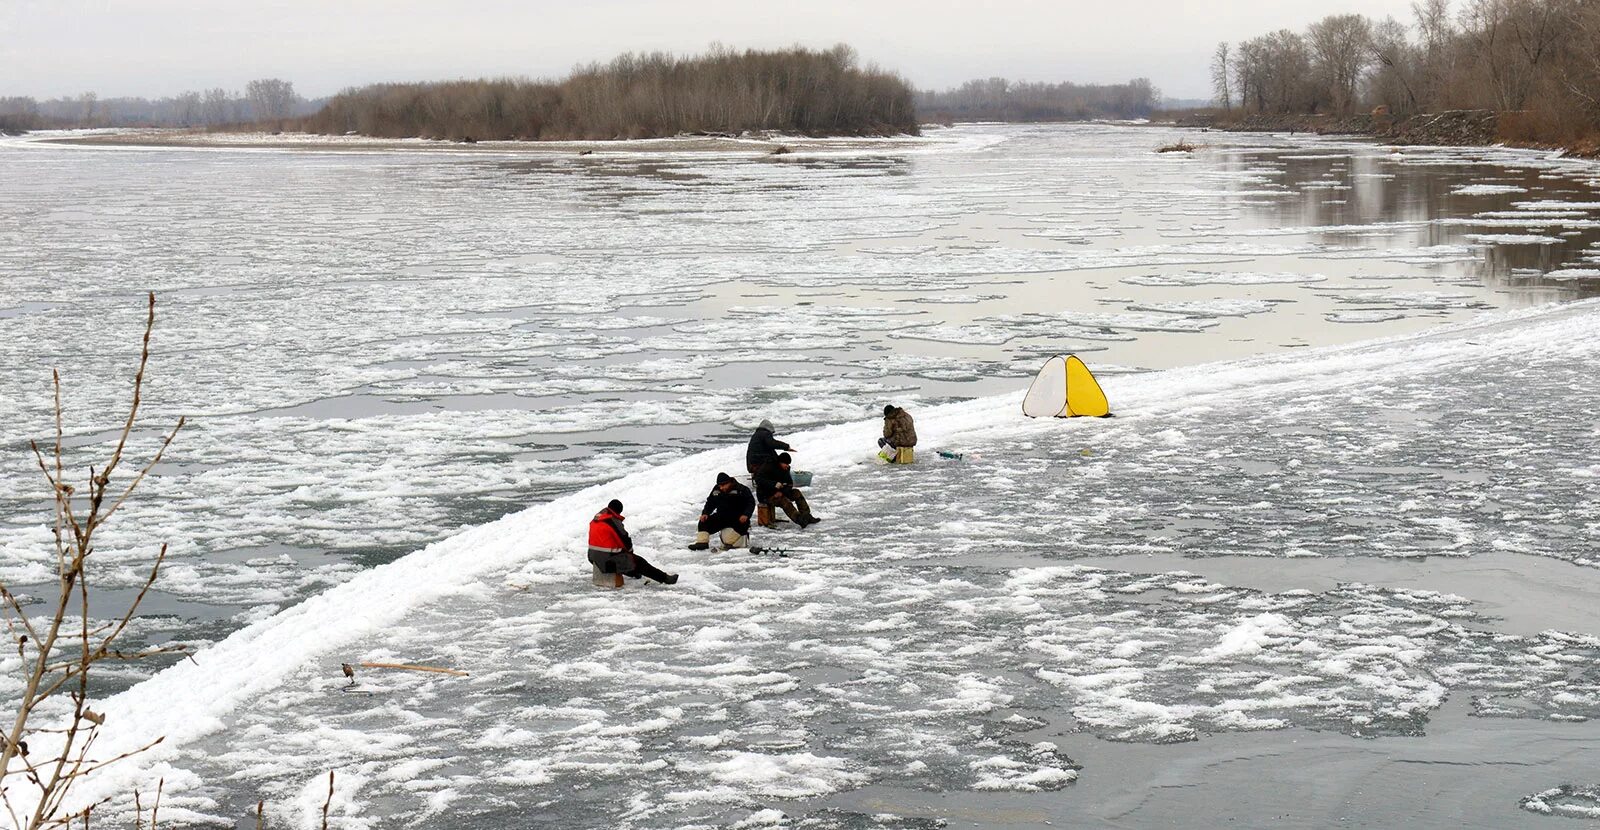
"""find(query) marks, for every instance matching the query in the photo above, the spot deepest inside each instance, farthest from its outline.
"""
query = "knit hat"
(616, 506)
(783, 458)
(888, 408)
(723, 478)
(766, 425)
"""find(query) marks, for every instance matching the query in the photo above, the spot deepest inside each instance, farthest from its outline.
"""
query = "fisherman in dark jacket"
(763, 448)
(611, 548)
(728, 510)
(775, 486)
(899, 435)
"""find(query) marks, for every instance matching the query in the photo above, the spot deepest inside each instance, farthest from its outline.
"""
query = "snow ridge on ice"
(935, 655)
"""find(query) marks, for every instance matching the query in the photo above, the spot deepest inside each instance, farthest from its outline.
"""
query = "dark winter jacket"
(769, 477)
(735, 503)
(898, 428)
(763, 448)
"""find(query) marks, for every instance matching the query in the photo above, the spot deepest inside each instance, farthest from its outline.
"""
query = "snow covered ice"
(363, 380)
(975, 627)
(927, 632)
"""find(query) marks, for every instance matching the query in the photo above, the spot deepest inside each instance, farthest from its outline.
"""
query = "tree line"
(998, 99)
(799, 90)
(1538, 59)
(643, 95)
(263, 100)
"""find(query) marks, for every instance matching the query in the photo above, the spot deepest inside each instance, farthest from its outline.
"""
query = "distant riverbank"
(1453, 128)
(644, 95)
(754, 143)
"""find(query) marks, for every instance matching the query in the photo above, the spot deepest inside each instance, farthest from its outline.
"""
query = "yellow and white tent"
(1065, 388)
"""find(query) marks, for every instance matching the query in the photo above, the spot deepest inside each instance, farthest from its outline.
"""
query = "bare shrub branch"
(58, 656)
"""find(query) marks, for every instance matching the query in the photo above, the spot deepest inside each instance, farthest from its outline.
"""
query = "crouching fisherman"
(611, 548)
(899, 435)
(775, 486)
(727, 511)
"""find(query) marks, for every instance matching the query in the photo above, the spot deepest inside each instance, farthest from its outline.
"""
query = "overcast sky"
(155, 48)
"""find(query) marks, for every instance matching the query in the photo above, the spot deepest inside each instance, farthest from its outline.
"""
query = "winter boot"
(701, 542)
(799, 509)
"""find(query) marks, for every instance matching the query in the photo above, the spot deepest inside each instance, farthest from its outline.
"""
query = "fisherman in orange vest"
(611, 548)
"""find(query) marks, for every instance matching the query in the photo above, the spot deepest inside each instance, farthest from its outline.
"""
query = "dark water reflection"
(1374, 186)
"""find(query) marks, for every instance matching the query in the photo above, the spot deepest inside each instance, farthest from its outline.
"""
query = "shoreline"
(1457, 128)
(774, 145)
(1449, 128)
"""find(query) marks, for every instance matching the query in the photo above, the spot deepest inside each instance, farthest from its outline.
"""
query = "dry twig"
(57, 657)
(411, 667)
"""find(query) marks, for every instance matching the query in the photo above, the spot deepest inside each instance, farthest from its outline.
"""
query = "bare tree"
(1535, 62)
(1286, 70)
(1221, 72)
(271, 99)
(997, 99)
(216, 107)
(1581, 73)
(1436, 34)
(18, 114)
(1434, 27)
(19, 105)
(1513, 40)
(188, 109)
(1394, 81)
(86, 108)
(1249, 75)
(1342, 47)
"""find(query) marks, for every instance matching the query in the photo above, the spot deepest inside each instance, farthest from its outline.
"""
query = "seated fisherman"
(611, 548)
(728, 510)
(775, 486)
(899, 433)
(763, 448)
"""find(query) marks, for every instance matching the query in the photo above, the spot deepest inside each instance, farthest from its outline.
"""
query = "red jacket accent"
(604, 532)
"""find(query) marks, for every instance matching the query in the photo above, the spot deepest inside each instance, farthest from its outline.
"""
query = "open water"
(376, 349)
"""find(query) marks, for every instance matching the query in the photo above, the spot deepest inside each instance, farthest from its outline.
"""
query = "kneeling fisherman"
(727, 511)
(611, 548)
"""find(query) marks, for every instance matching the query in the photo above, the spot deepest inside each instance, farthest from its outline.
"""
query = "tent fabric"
(1065, 388)
(1047, 397)
(1084, 396)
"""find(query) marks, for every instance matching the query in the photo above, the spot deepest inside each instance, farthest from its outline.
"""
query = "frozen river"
(377, 348)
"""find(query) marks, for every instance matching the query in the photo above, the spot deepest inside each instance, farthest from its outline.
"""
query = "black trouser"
(716, 522)
(642, 567)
